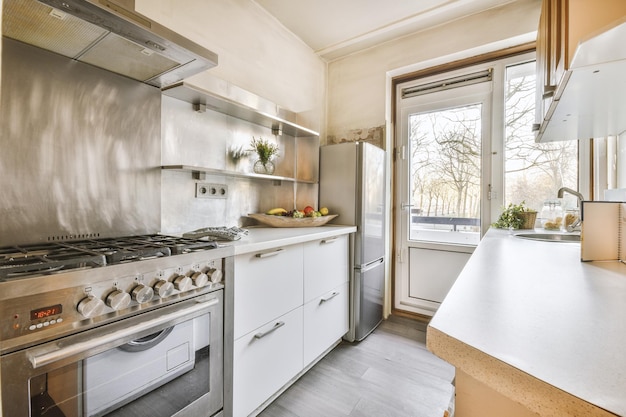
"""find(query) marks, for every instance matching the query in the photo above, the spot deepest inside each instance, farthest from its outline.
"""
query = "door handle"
(331, 296)
(277, 326)
(43, 356)
(268, 254)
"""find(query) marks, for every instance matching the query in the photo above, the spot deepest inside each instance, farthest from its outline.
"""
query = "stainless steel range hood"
(108, 34)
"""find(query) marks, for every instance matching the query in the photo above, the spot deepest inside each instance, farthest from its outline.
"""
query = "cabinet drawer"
(267, 285)
(325, 265)
(264, 360)
(325, 321)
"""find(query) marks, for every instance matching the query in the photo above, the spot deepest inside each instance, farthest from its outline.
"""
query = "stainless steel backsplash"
(80, 150)
(206, 140)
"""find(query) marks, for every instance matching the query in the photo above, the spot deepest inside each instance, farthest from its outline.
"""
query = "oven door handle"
(39, 358)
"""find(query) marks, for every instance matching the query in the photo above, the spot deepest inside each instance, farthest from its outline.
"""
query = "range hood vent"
(108, 34)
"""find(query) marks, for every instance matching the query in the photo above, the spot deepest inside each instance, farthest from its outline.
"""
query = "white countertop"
(264, 238)
(533, 305)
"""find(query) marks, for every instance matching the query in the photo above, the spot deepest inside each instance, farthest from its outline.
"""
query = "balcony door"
(442, 169)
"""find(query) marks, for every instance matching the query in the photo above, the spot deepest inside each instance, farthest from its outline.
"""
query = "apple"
(308, 210)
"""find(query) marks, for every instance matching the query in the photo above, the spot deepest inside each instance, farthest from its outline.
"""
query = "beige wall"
(255, 52)
(357, 84)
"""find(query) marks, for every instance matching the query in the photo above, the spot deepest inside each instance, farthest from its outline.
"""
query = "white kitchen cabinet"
(291, 304)
(265, 360)
(326, 309)
(325, 265)
(325, 321)
(268, 284)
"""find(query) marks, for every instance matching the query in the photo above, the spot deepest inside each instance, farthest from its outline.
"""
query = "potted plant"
(265, 151)
(516, 216)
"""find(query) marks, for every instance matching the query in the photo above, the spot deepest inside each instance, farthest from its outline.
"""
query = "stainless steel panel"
(371, 211)
(224, 97)
(80, 150)
(22, 365)
(352, 184)
(206, 140)
(32, 22)
(307, 158)
(338, 181)
(369, 289)
(119, 55)
(151, 53)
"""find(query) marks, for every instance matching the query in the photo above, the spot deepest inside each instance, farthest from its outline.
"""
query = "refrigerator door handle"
(371, 265)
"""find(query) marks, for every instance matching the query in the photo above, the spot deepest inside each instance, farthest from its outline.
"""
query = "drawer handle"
(268, 254)
(273, 329)
(330, 240)
(331, 296)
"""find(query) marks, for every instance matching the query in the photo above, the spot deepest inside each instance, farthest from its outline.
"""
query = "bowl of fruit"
(307, 217)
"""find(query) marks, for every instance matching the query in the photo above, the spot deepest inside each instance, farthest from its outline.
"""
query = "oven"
(128, 334)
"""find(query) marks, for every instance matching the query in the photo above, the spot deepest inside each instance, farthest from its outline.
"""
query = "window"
(470, 150)
(445, 159)
(445, 126)
(533, 171)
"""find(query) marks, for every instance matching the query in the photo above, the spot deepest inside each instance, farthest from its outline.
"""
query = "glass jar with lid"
(552, 215)
(570, 220)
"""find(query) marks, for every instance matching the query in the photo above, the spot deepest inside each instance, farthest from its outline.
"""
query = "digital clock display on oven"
(45, 312)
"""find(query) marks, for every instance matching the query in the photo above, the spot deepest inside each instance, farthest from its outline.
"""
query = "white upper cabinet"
(580, 56)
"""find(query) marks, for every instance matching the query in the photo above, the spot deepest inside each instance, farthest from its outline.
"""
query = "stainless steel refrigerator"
(352, 184)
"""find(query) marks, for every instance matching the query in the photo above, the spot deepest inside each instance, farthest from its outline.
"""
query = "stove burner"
(44, 259)
(117, 250)
(49, 258)
(179, 245)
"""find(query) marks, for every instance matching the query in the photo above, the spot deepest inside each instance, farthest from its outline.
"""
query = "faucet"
(562, 190)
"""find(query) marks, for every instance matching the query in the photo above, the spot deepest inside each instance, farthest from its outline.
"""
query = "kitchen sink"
(550, 237)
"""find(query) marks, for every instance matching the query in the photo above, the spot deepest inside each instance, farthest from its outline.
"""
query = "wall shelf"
(210, 93)
(195, 171)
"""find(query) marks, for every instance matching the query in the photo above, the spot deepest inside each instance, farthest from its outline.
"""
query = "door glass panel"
(444, 175)
(533, 171)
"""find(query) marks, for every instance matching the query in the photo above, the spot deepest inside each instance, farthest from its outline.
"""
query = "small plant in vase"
(265, 151)
(516, 216)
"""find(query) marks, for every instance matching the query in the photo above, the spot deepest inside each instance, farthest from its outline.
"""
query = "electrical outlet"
(206, 190)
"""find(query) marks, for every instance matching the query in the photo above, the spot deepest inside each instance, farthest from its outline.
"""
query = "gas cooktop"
(51, 258)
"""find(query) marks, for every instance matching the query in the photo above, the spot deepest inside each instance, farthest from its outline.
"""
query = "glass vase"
(264, 168)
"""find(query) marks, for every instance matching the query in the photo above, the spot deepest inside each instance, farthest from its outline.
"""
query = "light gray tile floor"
(389, 374)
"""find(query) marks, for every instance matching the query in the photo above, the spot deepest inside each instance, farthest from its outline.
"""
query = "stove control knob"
(164, 288)
(90, 306)
(215, 275)
(182, 283)
(142, 293)
(200, 279)
(118, 300)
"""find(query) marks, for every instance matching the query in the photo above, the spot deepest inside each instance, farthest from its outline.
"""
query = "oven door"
(166, 362)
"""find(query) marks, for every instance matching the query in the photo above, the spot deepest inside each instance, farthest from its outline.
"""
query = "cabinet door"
(264, 360)
(325, 265)
(325, 321)
(267, 285)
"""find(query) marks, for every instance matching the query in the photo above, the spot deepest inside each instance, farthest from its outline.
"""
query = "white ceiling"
(336, 28)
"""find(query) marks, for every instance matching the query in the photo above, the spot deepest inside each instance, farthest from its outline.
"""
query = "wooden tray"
(284, 221)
